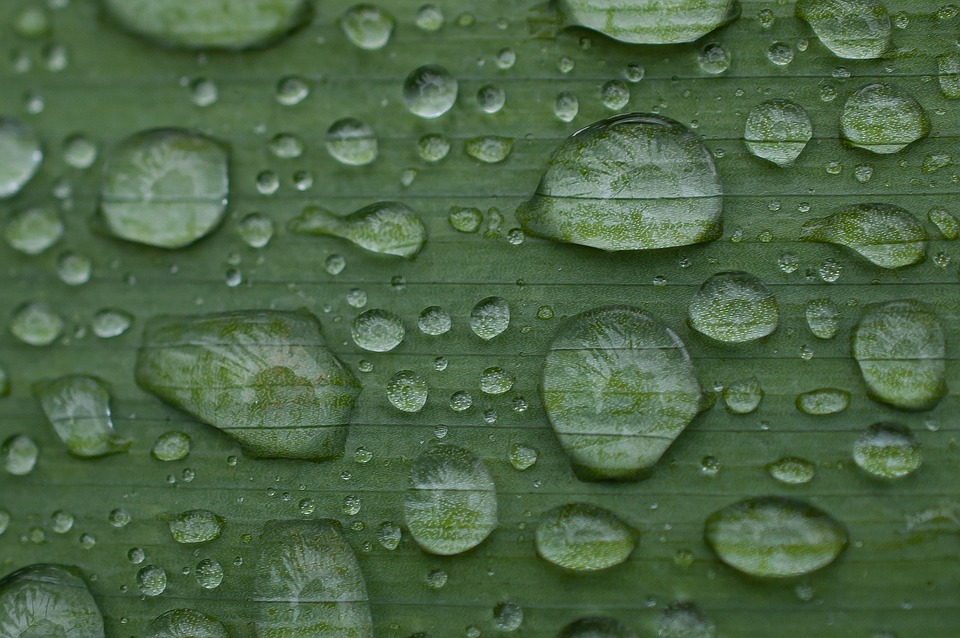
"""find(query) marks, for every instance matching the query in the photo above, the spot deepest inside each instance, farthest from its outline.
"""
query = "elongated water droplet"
(743, 397)
(685, 620)
(596, 627)
(852, 29)
(948, 66)
(266, 378)
(649, 21)
(792, 470)
(210, 24)
(407, 391)
(618, 388)
(451, 505)
(196, 526)
(734, 307)
(823, 401)
(777, 131)
(388, 228)
(37, 324)
(882, 119)
(583, 537)
(430, 91)
(629, 182)
(19, 454)
(823, 318)
(774, 537)
(20, 156)
(182, 623)
(490, 317)
(887, 451)
(886, 235)
(44, 600)
(489, 149)
(33, 230)
(566, 106)
(308, 583)
(901, 350)
(377, 330)
(78, 408)
(165, 188)
(367, 26)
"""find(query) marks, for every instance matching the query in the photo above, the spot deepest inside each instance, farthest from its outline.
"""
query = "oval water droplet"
(377, 330)
(407, 391)
(823, 401)
(777, 131)
(887, 451)
(165, 188)
(210, 24)
(78, 408)
(256, 230)
(582, 537)
(33, 230)
(886, 235)
(183, 623)
(948, 66)
(629, 182)
(792, 470)
(852, 29)
(496, 380)
(490, 318)
(661, 22)
(714, 58)
(367, 26)
(19, 453)
(209, 573)
(430, 91)
(171, 446)
(743, 397)
(388, 228)
(352, 142)
(618, 387)
(489, 149)
(882, 119)
(734, 307)
(901, 351)
(507, 616)
(451, 505)
(465, 220)
(823, 318)
(46, 600)
(433, 147)
(566, 106)
(20, 156)
(774, 537)
(685, 619)
(596, 627)
(434, 321)
(266, 378)
(196, 526)
(109, 323)
(37, 324)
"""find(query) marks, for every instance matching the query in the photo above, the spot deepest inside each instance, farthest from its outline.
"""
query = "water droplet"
(615, 95)
(743, 397)
(210, 24)
(21, 153)
(684, 620)
(430, 91)
(823, 401)
(389, 535)
(78, 408)
(583, 537)
(33, 230)
(196, 526)
(523, 457)
(792, 470)
(780, 53)
(388, 228)
(618, 387)
(286, 146)
(119, 517)
(451, 505)
(367, 26)
(734, 307)
(900, 348)
(61, 521)
(490, 318)
(774, 537)
(292, 90)
(209, 573)
(152, 580)
(80, 152)
(886, 235)
(171, 446)
(882, 119)
(178, 623)
(256, 230)
(297, 408)
(434, 321)
(629, 182)
(823, 318)
(436, 579)
(507, 616)
(714, 58)
(352, 142)
(777, 131)
(489, 149)
(461, 401)
(566, 106)
(48, 600)
(946, 222)
(650, 22)
(37, 324)
(407, 391)
(165, 188)
(852, 29)
(887, 451)
(377, 330)
(109, 323)
(429, 18)
(465, 220)
(596, 627)
(19, 453)
(491, 98)
(505, 59)
(267, 182)
(496, 380)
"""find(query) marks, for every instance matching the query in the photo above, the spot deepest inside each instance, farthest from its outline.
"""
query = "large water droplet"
(777, 131)
(308, 583)
(490, 317)
(196, 526)
(266, 378)
(583, 537)
(774, 537)
(165, 188)
(434, 321)
(651, 21)
(33, 230)
(78, 408)
(430, 91)
(407, 391)
(882, 119)
(900, 348)
(171, 446)
(626, 183)
(20, 156)
(152, 580)
(596, 627)
(210, 24)
(377, 330)
(853, 29)
(734, 307)
(48, 601)
(367, 26)
(884, 234)
(451, 505)
(887, 451)
(823, 401)
(183, 623)
(618, 388)
(388, 228)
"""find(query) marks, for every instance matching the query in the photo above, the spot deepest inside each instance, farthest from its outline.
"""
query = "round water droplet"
(852, 29)
(152, 580)
(19, 454)
(74, 269)
(823, 401)
(629, 182)
(436, 579)
(377, 330)
(792, 470)
(109, 323)
(490, 317)
(506, 58)
(491, 98)
(183, 623)
(429, 18)
(286, 146)
(433, 147)
(451, 505)
(489, 149)
(887, 451)
(777, 131)
(434, 321)
(886, 235)
(62, 522)
(583, 537)
(882, 119)
(292, 90)
(352, 142)
(171, 446)
(33, 230)
(461, 401)
(823, 318)
(367, 26)
(523, 457)
(496, 380)
(566, 106)
(670, 22)
(209, 573)
(780, 53)
(430, 91)
(165, 188)
(900, 348)
(20, 156)
(196, 526)
(684, 620)
(37, 324)
(615, 95)
(119, 517)
(714, 58)
(596, 627)
(407, 391)
(80, 152)
(256, 230)
(389, 535)
(774, 537)
(465, 220)
(734, 307)
(743, 397)
(507, 616)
